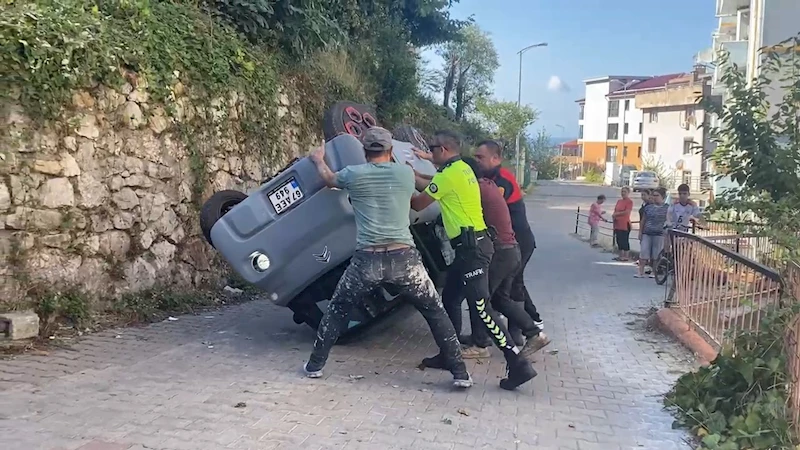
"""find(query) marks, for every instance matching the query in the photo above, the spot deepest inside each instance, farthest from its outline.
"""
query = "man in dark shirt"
(505, 264)
(489, 157)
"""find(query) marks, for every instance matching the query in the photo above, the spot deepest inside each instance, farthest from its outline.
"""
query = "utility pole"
(519, 103)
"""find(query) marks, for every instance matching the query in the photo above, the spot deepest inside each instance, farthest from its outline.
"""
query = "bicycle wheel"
(662, 270)
(669, 296)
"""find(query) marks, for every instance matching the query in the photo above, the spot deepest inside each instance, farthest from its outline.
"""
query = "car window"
(646, 175)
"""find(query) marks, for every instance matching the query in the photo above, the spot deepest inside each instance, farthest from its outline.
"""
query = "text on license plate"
(286, 195)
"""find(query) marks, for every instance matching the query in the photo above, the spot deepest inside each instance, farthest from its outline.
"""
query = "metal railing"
(792, 345)
(605, 233)
(719, 290)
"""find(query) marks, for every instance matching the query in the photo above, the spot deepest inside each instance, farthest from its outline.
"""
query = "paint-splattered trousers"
(402, 269)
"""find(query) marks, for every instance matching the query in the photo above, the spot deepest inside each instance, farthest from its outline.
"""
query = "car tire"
(217, 206)
(407, 133)
(348, 118)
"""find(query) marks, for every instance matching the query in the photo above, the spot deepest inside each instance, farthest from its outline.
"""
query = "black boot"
(519, 373)
(434, 362)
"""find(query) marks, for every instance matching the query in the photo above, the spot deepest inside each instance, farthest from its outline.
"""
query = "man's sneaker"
(462, 380)
(518, 374)
(534, 344)
(475, 353)
(539, 324)
(312, 373)
(434, 362)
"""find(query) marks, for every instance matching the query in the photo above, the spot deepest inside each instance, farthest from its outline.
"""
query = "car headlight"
(259, 261)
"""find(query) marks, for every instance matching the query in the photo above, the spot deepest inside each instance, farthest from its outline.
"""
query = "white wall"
(633, 117)
(780, 21)
(670, 136)
(595, 112)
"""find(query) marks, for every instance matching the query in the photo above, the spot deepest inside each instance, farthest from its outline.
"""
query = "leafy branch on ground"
(740, 400)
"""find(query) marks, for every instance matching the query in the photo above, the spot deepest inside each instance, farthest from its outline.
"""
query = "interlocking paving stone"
(175, 385)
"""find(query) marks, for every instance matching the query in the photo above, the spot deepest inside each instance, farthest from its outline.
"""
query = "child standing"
(652, 230)
(595, 216)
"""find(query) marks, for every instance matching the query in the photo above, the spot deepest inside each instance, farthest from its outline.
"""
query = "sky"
(586, 39)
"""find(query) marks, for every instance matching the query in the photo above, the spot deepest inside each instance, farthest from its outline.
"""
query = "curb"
(672, 323)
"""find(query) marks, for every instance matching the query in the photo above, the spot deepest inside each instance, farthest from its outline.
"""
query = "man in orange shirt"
(622, 224)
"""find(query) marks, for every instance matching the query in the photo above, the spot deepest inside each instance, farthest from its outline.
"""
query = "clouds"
(556, 85)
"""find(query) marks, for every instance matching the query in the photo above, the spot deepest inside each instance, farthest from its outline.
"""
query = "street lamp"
(519, 101)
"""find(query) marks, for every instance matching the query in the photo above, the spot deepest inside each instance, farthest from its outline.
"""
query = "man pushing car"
(380, 192)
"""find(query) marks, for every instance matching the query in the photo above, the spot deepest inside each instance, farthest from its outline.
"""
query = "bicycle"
(664, 269)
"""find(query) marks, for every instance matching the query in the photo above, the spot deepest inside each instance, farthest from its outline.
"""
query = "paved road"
(231, 380)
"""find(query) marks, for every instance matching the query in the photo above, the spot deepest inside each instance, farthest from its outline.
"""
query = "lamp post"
(519, 101)
(560, 150)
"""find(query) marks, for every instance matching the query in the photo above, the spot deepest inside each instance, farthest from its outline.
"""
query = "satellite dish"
(679, 164)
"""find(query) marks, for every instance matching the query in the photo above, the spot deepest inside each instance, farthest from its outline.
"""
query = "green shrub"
(740, 400)
(593, 176)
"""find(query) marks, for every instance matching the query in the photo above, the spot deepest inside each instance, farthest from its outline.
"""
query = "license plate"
(285, 196)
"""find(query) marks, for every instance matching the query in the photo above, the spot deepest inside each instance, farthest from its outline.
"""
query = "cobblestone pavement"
(231, 379)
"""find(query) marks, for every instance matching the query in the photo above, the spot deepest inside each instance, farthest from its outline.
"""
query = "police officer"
(489, 157)
(456, 189)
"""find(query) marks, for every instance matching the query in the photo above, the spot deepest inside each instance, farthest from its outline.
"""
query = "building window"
(640, 128)
(627, 105)
(580, 150)
(625, 129)
(613, 108)
(653, 117)
(580, 131)
(686, 177)
(625, 151)
(688, 146)
(580, 113)
(639, 152)
(611, 153)
(613, 131)
(651, 145)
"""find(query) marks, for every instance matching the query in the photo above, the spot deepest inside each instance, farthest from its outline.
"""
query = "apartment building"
(674, 130)
(609, 123)
(745, 27)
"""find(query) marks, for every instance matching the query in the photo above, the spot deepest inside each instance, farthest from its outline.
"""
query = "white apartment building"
(745, 27)
(673, 134)
(603, 114)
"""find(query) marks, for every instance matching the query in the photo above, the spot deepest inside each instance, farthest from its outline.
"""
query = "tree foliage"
(470, 62)
(758, 144)
(544, 155)
(505, 120)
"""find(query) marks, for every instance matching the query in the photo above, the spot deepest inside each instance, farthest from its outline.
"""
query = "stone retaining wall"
(105, 198)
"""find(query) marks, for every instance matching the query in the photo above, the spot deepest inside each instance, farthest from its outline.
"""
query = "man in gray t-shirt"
(380, 192)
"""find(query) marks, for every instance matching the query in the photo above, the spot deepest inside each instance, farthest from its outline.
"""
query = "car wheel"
(348, 118)
(217, 206)
(407, 133)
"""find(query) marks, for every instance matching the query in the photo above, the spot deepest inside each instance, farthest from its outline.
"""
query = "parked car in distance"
(644, 180)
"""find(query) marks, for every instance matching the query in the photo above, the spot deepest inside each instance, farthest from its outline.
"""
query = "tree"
(758, 144)
(470, 62)
(544, 156)
(505, 119)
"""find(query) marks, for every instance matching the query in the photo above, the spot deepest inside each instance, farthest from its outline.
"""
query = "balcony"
(737, 54)
(729, 7)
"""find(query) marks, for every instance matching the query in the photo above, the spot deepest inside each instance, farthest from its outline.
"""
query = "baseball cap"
(377, 139)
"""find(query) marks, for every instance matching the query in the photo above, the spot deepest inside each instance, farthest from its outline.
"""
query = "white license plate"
(286, 196)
